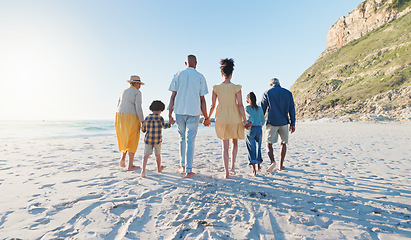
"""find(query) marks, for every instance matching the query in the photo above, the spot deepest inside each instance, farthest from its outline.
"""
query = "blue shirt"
(279, 104)
(256, 116)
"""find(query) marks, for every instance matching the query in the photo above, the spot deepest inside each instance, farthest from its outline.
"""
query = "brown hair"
(253, 100)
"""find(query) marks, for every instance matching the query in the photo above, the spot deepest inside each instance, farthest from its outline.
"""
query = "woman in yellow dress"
(129, 117)
(229, 113)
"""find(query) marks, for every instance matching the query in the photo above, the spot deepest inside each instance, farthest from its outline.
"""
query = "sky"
(70, 59)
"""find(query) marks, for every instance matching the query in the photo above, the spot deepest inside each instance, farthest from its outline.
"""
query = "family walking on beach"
(232, 120)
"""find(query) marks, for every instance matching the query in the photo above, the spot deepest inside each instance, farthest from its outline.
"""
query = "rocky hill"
(365, 70)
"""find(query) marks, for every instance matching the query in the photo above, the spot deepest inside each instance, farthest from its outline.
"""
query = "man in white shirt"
(187, 100)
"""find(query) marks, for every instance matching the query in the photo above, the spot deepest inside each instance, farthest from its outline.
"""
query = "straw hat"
(135, 79)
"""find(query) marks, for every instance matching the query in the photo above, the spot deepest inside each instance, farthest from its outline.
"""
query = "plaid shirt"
(152, 126)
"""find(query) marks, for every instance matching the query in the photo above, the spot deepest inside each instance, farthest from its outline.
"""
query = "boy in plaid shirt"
(152, 126)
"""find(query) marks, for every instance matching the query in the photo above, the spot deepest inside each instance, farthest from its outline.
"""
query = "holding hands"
(206, 122)
(247, 125)
(171, 119)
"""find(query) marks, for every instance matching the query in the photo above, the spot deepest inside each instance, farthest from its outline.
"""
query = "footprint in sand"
(41, 221)
(47, 186)
(35, 211)
(73, 180)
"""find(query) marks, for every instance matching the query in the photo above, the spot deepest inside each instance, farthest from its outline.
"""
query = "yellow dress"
(228, 121)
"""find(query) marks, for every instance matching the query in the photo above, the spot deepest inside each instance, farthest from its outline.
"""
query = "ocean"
(26, 130)
(21, 130)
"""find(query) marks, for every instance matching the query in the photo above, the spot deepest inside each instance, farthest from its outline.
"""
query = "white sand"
(342, 181)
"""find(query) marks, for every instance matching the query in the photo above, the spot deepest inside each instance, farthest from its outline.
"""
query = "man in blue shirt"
(278, 106)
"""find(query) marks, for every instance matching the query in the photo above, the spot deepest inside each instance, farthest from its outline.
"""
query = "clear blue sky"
(70, 59)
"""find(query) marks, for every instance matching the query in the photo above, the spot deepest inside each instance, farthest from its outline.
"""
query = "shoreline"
(111, 131)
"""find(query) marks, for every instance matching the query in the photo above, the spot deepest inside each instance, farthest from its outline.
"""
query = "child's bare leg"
(226, 158)
(234, 154)
(131, 166)
(143, 171)
(159, 166)
(259, 167)
(254, 170)
(123, 159)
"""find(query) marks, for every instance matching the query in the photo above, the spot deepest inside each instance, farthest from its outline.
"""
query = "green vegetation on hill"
(399, 4)
(376, 63)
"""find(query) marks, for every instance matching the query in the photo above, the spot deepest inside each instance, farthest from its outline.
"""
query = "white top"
(190, 85)
(130, 102)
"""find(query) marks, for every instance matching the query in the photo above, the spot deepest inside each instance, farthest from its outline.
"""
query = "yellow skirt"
(128, 132)
(229, 131)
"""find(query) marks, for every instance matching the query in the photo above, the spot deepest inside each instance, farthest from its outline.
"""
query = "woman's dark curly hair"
(227, 66)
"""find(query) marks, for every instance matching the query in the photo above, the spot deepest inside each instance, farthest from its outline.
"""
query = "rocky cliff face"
(366, 17)
(365, 72)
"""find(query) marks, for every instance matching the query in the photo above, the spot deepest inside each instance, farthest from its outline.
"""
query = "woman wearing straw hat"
(129, 117)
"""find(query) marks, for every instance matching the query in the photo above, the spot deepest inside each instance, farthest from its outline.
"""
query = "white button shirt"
(190, 85)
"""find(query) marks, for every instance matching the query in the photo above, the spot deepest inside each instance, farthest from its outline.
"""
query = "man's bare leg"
(271, 156)
(283, 151)
(123, 159)
(270, 152)
(131, 166)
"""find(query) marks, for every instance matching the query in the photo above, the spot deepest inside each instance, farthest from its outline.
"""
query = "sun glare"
(28, 75)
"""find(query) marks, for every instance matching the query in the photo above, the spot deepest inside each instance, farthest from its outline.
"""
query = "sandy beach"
(342, 181)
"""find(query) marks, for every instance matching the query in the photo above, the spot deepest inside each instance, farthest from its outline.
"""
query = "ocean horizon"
(52, 129)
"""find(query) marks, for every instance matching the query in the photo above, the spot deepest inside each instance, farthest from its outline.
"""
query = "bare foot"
(160, 169)
(133, 168)
(259, 168)
(122, 163)
(281, 168)
(189, 175)
(182, 169)
(271, 167)
(143, 174)
(254, 174)
(227, 176)
(233, 171)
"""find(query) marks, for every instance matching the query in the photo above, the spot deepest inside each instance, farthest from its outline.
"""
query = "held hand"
(171, 120)
(292, 129)
(206, 122)
(247, 125)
